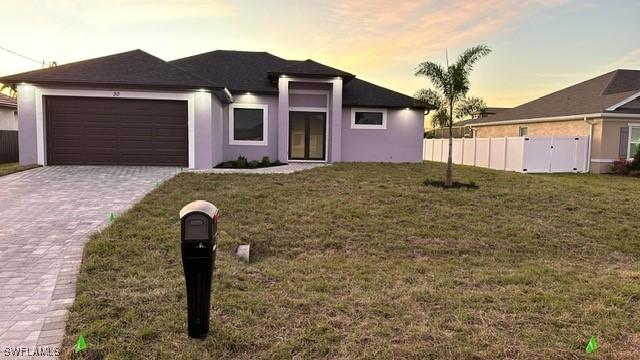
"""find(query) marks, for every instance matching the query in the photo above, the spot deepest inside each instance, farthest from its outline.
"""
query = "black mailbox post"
(199, 235)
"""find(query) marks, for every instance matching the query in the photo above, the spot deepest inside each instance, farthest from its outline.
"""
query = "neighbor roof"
(133, 68)
(588, 97)
(7, 101)
(242, 71)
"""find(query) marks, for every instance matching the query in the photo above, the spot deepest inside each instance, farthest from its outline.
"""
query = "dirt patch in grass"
(454, 184)
(364, 261)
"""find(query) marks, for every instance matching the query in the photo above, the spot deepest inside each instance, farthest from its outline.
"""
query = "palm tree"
(451, 86)
(10, 90)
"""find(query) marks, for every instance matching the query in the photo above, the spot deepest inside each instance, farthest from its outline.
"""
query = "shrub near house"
(627, 168)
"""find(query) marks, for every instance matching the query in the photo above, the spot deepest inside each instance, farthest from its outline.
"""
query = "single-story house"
(8, 113)
(606, 108)
(462, 128)
(133, 108)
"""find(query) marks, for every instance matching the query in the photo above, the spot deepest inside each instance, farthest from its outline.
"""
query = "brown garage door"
(105, 131)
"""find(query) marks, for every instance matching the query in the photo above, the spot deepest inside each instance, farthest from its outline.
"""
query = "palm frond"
(469, 57)
(434, 72)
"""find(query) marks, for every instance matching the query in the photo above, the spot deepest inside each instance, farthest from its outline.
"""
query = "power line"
(23, 56)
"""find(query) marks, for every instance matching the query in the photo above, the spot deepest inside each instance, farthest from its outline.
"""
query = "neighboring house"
(133, 108)
(463, 128)
(8, 115)
(606, 108)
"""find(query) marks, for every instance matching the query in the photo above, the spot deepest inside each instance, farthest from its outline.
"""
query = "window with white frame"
(368, 118)
(523, 131)
(248, 124)
(634, 140)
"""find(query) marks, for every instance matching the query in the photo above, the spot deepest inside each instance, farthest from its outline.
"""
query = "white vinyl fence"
(527, 154)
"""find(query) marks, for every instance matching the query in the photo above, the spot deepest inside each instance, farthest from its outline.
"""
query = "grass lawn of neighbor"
(363, 261)
(14, 167)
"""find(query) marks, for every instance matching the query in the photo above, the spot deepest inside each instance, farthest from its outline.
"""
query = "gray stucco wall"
(400, 142)
(27, 139)
(217, 131)
(308, 100)
(204, 137)
(251, 152)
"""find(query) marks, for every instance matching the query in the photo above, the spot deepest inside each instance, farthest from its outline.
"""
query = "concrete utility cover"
(46, 215)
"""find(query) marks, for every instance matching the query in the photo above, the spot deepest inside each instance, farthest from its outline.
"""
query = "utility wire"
(23, 56)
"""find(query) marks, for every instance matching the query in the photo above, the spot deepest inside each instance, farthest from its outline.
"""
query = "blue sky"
(539, 46)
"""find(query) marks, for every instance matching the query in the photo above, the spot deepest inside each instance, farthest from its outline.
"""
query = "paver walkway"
(46, 215)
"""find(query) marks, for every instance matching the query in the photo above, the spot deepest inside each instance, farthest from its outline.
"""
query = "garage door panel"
(105, 131)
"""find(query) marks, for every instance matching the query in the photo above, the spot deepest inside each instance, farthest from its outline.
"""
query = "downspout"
(590, 122)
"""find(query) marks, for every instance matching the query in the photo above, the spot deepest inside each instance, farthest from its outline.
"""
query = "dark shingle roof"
(7, 101)
(588, 97)
(136, 68)
(248, 71)
(237, 70)
(358, 92)
(309, 68)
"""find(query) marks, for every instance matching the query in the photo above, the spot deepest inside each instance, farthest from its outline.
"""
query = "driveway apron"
(46, 216)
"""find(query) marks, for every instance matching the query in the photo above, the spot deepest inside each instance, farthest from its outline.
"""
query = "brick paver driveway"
(46, 215)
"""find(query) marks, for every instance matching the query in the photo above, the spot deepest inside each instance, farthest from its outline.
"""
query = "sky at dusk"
(538, 46)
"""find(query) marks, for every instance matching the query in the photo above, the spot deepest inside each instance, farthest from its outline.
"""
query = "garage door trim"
(41, 92)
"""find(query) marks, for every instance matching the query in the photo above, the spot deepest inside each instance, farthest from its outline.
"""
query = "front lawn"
(14, 167)
(365, 261)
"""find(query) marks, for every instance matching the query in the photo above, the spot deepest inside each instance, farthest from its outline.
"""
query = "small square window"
(523, 131)
(247, 124)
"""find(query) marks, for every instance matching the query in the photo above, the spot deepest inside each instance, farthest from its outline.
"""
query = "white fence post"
(475, 150)
(504, 163)
(489, 155)
(551, 155)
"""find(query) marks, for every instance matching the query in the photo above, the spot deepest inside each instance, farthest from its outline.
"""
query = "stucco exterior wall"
(27, 139)
(252, 152)
(8, 119)
(400, 142)
(551, 128)
(308, 100)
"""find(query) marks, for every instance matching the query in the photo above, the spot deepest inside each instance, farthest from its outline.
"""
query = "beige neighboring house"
(462, 128)
(8, 113)
(606, 108)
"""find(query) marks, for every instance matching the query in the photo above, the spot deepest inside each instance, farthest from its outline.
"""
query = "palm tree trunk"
(449, 178)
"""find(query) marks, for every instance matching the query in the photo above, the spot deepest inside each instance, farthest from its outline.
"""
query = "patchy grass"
(10, 168)
(364, 261)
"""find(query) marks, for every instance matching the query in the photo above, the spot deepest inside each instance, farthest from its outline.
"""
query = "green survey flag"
(592, 345)
(112, 218)
(80, 344)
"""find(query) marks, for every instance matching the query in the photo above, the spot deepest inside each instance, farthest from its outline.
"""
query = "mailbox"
(199, 235)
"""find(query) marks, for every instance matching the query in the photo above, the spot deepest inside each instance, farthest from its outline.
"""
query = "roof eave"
(82, 83)
(559, 118)
(276, 74)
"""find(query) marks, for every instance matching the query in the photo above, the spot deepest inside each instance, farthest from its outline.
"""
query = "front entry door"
(307, 135)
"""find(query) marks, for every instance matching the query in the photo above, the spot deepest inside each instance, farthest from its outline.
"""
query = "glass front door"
(307, 135)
